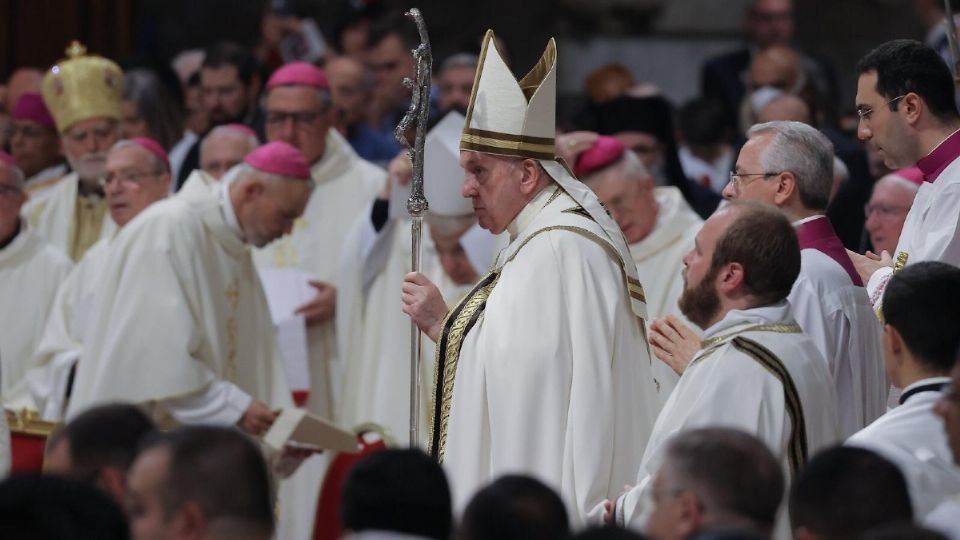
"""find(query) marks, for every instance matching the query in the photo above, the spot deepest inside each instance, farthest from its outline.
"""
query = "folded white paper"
(300, 428)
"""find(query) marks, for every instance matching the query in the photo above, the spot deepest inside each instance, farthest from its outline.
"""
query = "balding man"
(350, 91)
(888, 206)
(455, 81)
(30, 271)
(83, 93)
(181, 301)
(138, 175)
(756, 371)
(224, 147)
(785, 107)
(299, 112)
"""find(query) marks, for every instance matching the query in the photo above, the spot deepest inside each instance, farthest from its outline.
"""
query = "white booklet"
(297, 427)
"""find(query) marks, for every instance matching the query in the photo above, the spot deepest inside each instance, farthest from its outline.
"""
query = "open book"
(297, 427)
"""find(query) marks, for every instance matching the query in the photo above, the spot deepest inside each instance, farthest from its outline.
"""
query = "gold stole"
(797, 446)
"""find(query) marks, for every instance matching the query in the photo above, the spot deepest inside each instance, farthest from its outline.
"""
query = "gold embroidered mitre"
(81, 87)
(510, 117)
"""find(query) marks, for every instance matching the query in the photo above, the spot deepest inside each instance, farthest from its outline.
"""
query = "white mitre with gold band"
(510, 118)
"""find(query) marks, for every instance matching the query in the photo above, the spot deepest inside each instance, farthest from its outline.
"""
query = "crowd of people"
(727, 318)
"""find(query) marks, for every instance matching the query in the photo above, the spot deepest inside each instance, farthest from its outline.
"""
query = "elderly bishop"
(542, 368)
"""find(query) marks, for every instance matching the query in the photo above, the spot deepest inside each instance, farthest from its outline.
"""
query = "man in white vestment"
(887, 209)
(921, 307)
(299, 112)
(790, 165)
(905, 99)
(542, 367)
(35, 142)
(138, 174)
(947, 515)
(756, 370)
(373, 334)
(181, 324)
(30, 272)
(225, 147)
(657, 222)
(83, 94)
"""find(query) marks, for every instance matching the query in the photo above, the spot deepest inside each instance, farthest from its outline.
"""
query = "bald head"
(778, 67)
(224, 147)
(349, 88)
(785, 107)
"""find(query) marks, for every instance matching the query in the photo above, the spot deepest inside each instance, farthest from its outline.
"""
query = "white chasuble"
(543, 368)
(912, 436)
(180, 311)
(67, 220)
(758, 373)
(345, 183)
(659, 259)
(30, 273)
(43, 388)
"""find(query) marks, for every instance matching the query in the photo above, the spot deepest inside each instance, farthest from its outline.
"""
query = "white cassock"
(945, 519)
(180, 323)
(30, 272)
(70, 222)
(912, 437)
(373, 333)
(837, 316)
(659, 259)
(931, 231)
(43, 387)
(46, 177)
(758, 373)
(345, 183)
(544, 367)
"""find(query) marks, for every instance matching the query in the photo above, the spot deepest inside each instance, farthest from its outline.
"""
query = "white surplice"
(912, 437)
(553, 376)
(945, 519)
(931, 231)
(60, 215)
(659, 259)
(838, 317)
(345, 183)
(30, 273)
(373, 333)
(180, 322)
(43, 387)
(726, 387)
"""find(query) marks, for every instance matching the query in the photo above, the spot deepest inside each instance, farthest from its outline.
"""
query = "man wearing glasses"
(905, 99)
(83, 94)
(137, 175)
(299, 112)
(887, 208)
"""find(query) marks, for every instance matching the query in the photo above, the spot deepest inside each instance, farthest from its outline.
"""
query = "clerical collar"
(941, 156)
(16, 232)
(227, 206)
(933, 384)
(531, 210)
(807, 219)
(778, 313)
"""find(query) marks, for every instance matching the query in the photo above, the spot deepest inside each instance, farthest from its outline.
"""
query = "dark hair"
(906, 65)
(922, 302)
(704, 121)
(104, 436)
(221, 470)
(158, 109)
(733, 473)
(34, 507)
(401, 490)
(845, 491)
(515, 507)
(393, 23)
(764, 242)
(227, 53)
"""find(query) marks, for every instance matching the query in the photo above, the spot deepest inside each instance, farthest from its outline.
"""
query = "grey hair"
(155, 105)
(803, 151)
(629, 167)
(251, 141)
(157, 165)
(460, 60)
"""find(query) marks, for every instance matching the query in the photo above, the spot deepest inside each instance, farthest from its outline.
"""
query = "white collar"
(807, 219)
(778, 313)
(229, 215)
(531, 210)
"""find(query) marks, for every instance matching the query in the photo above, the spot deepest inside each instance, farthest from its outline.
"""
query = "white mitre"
(511, 118)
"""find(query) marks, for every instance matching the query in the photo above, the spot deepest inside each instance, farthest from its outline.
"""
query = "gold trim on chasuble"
(778, 328)
(797, 446)
(463, 317)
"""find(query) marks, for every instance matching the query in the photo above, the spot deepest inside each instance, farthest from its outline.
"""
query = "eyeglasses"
(737, 178)
(126, 178)
(885, 212)
(864, 113)
(276, 118)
